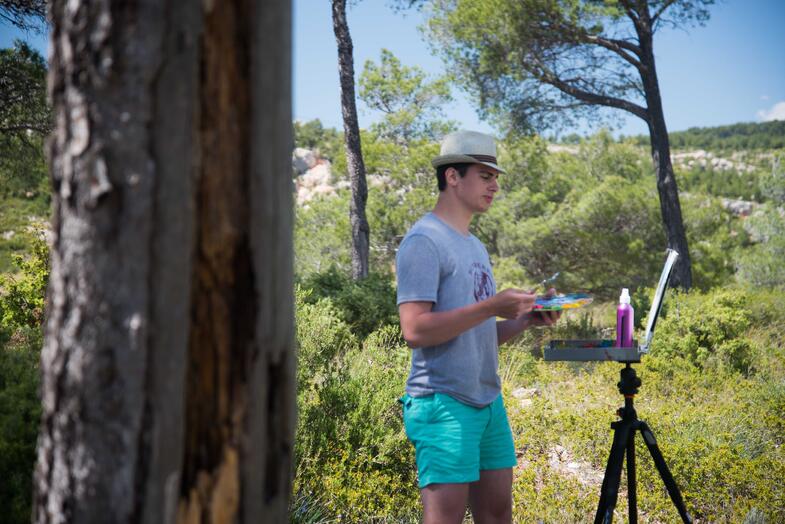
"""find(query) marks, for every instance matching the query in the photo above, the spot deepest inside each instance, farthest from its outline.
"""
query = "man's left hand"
(538, 318)
(543, 318)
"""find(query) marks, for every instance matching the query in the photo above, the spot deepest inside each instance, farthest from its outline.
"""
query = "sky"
(731, 70)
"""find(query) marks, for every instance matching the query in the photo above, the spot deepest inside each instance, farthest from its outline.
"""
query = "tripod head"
(629, 383)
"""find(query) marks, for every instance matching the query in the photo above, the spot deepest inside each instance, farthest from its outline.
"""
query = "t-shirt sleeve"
(417, 270)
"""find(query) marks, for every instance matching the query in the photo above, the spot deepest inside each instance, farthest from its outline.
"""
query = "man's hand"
(508, 329)
(513, 303)
(543, 318)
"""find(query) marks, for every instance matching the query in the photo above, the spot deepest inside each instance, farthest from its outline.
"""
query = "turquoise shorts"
(453, 441)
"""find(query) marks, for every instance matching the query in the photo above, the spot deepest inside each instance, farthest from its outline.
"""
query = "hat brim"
(443, 160)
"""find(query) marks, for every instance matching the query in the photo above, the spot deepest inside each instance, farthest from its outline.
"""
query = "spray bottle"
(625, 320)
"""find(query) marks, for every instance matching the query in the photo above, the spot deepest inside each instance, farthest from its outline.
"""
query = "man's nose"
(494, 187)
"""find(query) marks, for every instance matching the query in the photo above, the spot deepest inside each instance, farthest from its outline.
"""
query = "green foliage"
(724, 183)
(21, 222)
(773, 183)
(762, 264)
(312, 135)
(23, 171)
(714, 237)
(22, 297)
(763, 135)
(23, 105)
(411, 105)
(322, 234)
(21, 313)
(365, 305)
(353, 459)
(597, 239)
(708, 331)
(20, 413)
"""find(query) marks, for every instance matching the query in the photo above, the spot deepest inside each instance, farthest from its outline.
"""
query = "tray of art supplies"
(591, 350)
(562, 301)
(603, 349)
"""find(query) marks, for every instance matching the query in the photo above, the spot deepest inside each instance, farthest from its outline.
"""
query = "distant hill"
(764, 135)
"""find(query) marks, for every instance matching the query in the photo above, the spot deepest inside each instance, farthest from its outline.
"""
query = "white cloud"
(764, 97)
(777, 112)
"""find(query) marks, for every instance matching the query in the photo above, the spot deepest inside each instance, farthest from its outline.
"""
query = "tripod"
(624, 442)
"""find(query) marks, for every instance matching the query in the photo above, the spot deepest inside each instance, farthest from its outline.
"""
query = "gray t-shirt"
(436, 263)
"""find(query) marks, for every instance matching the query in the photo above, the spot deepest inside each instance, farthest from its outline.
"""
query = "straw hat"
(468, 147)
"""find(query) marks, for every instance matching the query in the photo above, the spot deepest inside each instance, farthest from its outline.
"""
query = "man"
(453, 411)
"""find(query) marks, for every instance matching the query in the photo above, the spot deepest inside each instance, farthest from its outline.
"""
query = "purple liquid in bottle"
(625, 320)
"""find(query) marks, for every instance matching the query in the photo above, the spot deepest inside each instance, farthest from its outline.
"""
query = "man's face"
(477, 188)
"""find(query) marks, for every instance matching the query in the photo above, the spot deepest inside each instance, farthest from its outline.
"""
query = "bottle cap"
(625, 296)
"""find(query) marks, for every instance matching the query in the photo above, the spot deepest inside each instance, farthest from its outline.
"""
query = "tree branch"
(24, 127)
(618, 47)
(550, 78)
(631, 13)
(661, 10)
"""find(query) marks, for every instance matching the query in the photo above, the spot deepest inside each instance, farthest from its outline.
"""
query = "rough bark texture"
(168, 369)
(351, 130)
(661, 157)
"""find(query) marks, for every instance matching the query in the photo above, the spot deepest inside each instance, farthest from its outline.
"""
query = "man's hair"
(441, 173)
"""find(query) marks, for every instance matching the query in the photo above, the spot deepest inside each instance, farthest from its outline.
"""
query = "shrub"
(353, 459)
(707, 330)
(761, 264)
(22, 298)
(21, 311)
(20, 412)
(364, 305)
(321, 234)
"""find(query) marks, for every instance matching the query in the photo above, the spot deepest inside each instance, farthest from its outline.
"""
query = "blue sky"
(732, 70)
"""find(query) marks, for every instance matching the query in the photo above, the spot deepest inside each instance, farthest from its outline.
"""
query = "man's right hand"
(512, 303)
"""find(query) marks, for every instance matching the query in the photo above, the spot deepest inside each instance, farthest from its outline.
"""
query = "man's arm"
(423, 327)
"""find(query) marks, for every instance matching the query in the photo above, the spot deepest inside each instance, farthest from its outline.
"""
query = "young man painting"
(453, 411)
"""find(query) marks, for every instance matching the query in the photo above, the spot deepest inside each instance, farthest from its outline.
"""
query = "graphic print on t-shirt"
(483, 283)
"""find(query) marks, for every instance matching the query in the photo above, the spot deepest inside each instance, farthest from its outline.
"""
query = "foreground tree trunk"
(168, 366)
(351, 131)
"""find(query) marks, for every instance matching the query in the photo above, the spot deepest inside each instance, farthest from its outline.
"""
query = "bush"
(321, 234)
(364, 305)
(20, 413)
(21, 312)
(22, 298)
(353, 459)
(761, 264)
(708, 331)
(714, 237)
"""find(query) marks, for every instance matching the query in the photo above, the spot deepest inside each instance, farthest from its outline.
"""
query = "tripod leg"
(632, 497)
(662, 468)
(610, 483)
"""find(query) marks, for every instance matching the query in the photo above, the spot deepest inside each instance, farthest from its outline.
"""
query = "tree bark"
(168, 366)
(354, 156)
(670, 206)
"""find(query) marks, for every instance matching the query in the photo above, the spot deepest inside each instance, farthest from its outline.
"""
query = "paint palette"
(562, 301)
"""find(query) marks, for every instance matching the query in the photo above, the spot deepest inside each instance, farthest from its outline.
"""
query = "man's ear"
(451, 176)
